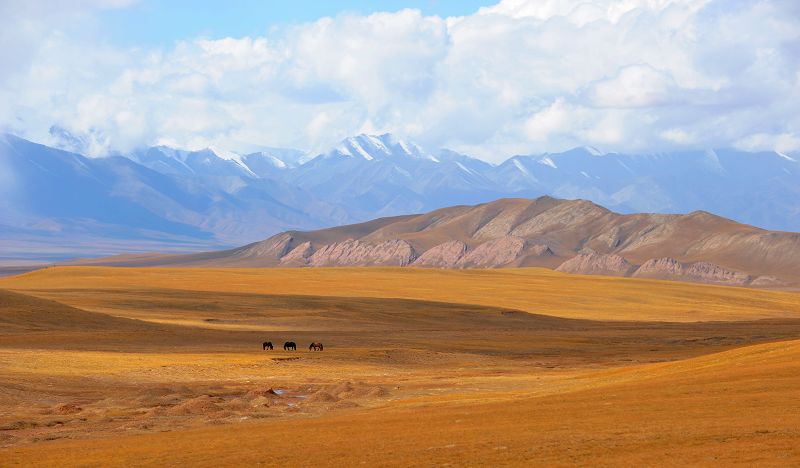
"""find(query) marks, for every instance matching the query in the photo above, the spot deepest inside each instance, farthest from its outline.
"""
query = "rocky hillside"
(57, 205)
(573, 236)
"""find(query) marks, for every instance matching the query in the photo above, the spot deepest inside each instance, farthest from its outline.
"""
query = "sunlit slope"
(531, 289)
(20, 313)
(736, 407)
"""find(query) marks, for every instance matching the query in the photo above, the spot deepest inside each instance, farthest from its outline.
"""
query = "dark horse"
(290, 345)
(267, 345)
(315, 346)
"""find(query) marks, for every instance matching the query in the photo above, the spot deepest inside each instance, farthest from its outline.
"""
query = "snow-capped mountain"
(209, 162)
(380, 147)
(58, 203)
(756, 188)
(215, 197)
(218, 162)
(384, 175)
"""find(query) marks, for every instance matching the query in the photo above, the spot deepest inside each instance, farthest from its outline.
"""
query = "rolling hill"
(574, 236)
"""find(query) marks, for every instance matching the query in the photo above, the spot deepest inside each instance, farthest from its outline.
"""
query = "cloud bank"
(517, 77)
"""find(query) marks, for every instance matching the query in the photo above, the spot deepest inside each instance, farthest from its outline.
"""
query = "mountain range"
(57, 204)
(574, 236)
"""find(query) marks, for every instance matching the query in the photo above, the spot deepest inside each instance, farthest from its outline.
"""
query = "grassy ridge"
(533, 290)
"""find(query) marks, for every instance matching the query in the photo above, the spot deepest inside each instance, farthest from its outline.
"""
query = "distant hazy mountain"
(59, 204)
(762, 189)
(176, 199)
(383, 176)
(574, 236)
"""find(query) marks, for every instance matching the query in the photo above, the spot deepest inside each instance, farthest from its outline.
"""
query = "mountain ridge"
(573, 236)
(226, 199)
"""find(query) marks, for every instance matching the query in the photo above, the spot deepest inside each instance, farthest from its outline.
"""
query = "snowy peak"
(378, 147)
(163, 159)
(174, 153)
(267, 158)
(209, 162)
(235, 158)
(225, 154)
(580, 150)
(467, 163)
(547, 161)
(214, 161)
(592, 150)
(279, 158)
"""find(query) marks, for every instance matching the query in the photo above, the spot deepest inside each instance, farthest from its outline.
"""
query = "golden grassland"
(518, 367)
(733, 408)
(533, 290)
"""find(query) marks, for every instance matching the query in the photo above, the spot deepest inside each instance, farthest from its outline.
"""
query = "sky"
(485, 78)
(154, 23)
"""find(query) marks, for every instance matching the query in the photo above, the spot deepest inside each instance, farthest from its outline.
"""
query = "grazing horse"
(267, 345)
(315, 346)
(290, 345)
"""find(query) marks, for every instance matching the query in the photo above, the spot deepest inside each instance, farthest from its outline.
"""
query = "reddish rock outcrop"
(539, 250)
(271, 249)
(596, 264)
(298, 256)
(659, 267)
(446, 255)
(706, 272)
(494, 253)
(767, 281)
(356, 253)
(712, 273)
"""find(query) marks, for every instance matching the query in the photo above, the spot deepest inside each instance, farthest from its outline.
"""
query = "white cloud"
(783, 142)
(518, 77)
(634, 86)
(553, 120)
(678, 135)
(25, 23)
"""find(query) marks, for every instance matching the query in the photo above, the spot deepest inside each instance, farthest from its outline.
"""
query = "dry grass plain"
(536, 290)
(117, 366)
